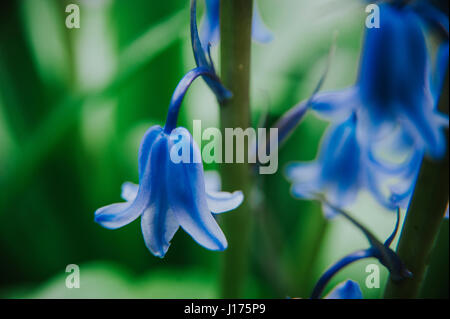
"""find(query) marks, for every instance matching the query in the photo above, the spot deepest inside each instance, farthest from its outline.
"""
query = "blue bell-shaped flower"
(397, 88)
(341, 169)
(170, 195)
(171, 191)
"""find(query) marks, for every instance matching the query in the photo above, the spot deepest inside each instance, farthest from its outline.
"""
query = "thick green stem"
(235, 29)
(423, 219)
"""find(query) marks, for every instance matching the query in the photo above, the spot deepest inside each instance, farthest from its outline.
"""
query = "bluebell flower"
(397, 88)
(348, 289)
(211, 27)
(171, 193)
(342, 168)
(426, 9)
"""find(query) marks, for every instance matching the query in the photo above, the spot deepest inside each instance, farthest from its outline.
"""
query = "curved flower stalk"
(396, 87)
(210, 31)
(381, 251)
(348, 289)
(171, 191)
(343, 168)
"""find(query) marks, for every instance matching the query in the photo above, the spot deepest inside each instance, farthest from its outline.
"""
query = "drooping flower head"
(397, 87)
(394, 82)
(392, 110)
(342, 168)
(211, 26)
(171, 191)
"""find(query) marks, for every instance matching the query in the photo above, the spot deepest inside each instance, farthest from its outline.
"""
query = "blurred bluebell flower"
(397, 88)
(348, 289)
(426, 9)
(171, 193)
(342, 168)
(211, 27)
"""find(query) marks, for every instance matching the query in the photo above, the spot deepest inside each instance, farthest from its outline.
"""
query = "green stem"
(423, 219)
(235, 29)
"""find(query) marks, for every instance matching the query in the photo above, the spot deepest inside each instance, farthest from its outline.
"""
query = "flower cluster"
(390, 113)
(381, 127)
(391, 109)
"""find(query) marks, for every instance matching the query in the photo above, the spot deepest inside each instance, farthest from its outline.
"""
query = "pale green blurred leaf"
(106, 280)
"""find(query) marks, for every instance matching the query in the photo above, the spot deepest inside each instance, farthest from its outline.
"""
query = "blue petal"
(299, 172)
(187, 199)
(399, 144)
(340, 197)
(340, 157)
(158, 221)
(260, 32)
(428, 127)
(338, 172)
(305, 179)
(346, 290)
(221, 202)
(372, 181)
(116, 215)
(159, 225)
(290, 120)
(388, 75)
(337, 105)
(402, 191)
(146, 144)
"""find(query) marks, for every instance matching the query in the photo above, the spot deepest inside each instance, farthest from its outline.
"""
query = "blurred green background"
(74, 104)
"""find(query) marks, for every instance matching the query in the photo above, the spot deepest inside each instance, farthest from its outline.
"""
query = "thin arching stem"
(180, 92)
(335, 268)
